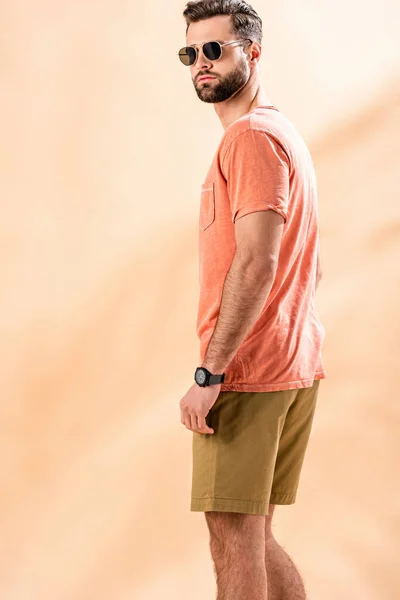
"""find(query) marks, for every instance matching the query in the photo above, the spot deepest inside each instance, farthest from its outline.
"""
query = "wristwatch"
(203, 377)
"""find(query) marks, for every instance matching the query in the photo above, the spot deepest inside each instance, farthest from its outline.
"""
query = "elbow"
(265, 271)
(260, 270)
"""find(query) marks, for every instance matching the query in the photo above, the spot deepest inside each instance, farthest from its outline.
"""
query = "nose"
(202, 61)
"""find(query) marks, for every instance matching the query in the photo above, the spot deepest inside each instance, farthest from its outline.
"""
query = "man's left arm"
(247, 284)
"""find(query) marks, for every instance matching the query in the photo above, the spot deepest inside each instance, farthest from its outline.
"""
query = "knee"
(235, 533)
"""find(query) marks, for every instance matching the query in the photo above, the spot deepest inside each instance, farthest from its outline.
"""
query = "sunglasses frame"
(210, 42)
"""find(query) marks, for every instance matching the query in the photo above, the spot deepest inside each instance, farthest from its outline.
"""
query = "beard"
(219, 91)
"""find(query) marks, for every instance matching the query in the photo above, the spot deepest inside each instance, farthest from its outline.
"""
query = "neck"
(250, 96)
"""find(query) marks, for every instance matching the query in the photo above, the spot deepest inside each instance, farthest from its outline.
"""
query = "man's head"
(220, 21)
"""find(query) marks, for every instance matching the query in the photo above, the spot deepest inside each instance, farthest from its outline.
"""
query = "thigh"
(233, 469)
(293, 445)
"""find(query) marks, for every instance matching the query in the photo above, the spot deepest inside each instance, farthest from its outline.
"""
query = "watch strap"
(216, 379)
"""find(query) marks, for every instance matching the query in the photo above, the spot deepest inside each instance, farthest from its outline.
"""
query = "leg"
(284, 580)
(237, 543)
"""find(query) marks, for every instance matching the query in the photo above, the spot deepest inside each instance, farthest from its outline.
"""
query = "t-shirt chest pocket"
(207, 205)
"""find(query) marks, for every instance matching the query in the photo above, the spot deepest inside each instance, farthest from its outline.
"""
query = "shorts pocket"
(207, 205)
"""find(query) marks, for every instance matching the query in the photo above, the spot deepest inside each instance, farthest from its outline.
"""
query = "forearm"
(246, 289)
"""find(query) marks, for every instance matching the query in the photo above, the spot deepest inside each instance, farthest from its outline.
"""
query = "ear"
(255, 51)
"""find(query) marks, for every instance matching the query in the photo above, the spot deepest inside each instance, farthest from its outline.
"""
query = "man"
(252, 404)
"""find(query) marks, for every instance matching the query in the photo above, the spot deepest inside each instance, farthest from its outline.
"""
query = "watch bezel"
(207, 374)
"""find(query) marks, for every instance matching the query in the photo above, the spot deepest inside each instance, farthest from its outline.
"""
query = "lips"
(205, 77)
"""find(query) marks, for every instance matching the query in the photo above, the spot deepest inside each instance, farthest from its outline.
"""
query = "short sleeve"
(256, 169)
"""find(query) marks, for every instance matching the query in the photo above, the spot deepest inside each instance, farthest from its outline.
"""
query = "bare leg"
(284, 580)
(237, 543)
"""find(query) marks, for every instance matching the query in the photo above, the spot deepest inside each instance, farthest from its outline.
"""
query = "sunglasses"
(211, 50)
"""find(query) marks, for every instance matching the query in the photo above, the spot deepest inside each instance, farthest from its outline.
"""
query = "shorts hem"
(252, 507)
(282, 498)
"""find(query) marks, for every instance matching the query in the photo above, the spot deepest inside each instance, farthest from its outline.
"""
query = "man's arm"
(247, 285)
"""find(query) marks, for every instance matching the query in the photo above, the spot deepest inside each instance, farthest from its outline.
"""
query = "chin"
(205, 97)
(208, 100)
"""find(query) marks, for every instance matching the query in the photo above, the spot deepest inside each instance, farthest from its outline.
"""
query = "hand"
(195, 406)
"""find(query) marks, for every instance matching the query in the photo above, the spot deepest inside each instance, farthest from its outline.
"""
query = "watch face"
(200, 377)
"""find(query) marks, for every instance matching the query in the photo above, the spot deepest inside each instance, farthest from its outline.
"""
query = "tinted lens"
(187, 56)
(212, 50)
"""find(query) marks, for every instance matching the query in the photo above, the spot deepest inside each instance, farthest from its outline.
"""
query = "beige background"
(104, 145)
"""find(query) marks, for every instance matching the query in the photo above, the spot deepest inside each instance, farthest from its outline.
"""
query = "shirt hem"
(272, 387)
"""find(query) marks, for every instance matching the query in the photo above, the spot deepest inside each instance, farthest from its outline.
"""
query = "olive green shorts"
(255, 455)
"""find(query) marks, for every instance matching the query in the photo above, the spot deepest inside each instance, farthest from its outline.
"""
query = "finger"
(185, 418)
(202, 425)
(193, 422)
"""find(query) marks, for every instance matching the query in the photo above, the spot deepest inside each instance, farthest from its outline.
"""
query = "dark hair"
(245, 21)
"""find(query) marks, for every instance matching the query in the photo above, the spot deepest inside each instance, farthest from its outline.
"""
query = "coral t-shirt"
(262, 163)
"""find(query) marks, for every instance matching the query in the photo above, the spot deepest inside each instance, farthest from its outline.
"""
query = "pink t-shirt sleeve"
(256, 169)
